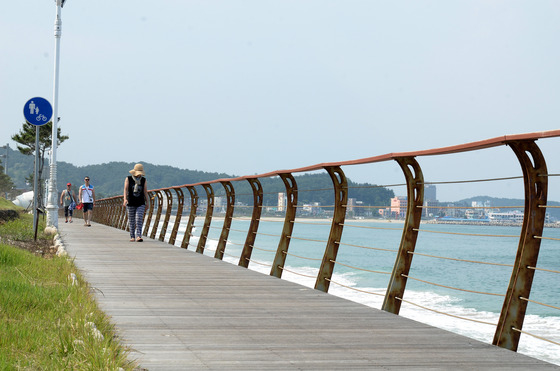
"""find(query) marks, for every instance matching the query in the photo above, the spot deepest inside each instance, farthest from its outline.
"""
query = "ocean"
(367, 254)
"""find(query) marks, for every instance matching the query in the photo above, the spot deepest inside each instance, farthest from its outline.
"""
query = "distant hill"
(18, 167)
(108, 180)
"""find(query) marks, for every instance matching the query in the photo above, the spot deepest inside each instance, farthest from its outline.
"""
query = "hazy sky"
(246, 87)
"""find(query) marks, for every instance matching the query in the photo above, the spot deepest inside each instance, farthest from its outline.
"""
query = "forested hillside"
(108, 180)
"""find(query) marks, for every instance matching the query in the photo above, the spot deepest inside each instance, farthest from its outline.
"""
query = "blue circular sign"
(37, 111)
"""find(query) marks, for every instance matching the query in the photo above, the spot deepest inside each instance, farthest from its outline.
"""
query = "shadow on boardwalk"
(180, 310)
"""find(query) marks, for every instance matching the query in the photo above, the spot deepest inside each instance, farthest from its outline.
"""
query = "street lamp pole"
(52, 204)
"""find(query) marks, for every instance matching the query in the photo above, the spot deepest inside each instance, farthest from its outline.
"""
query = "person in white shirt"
(87, 197)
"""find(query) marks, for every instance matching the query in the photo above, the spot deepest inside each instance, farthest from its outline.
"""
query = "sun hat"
(138, 170)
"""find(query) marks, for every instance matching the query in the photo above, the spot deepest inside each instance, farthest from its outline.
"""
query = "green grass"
(46, 321)
(8, 205)
(21, 229)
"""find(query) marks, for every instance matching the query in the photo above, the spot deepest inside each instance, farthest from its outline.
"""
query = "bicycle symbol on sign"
(41, 117)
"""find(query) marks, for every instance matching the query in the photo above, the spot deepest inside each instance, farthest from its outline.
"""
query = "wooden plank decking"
(180, 310)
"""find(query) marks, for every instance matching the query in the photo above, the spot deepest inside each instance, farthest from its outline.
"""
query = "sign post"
(37, 111)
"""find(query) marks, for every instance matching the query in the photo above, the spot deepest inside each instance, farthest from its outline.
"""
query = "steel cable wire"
(355, 289)
(465, 234)
(261, 249)
(259, 263)
(299, 274)
(367, 247)
(446, 314)
(535, 336)
(306, 239)
(312, 223)
(461, 260)
(539, 303)
(543, 269)
(301, 257)
(453, 288)
(547, 238)
(476, 180)
(357, 268)
(231, 256)
(368, 227)
(268, 234)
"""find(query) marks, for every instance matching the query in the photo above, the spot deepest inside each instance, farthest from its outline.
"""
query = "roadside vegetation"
(48, 316)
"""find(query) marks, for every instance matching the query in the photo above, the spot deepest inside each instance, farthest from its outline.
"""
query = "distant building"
(431, 207)
(399, 206)
(515, 216)
(281, 201)
(430, 193)
(350, 205)
(431, 204)
(451, 211)
(312, 208)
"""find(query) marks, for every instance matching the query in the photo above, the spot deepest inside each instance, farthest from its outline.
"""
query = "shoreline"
(366, 220)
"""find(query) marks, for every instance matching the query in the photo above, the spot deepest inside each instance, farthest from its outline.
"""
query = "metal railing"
(235, 234)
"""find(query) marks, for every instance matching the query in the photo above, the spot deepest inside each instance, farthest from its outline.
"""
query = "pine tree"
(6, 184)
(25, 140)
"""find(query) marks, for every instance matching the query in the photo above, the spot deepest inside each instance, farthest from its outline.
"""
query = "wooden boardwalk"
(180, 310)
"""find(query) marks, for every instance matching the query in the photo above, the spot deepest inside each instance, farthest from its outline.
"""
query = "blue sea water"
(367, 254)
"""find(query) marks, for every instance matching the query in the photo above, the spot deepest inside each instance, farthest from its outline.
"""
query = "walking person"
(135, 198)
(87, 197)
(67, 198)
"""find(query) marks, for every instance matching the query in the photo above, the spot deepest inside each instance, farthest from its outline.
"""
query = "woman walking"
(135, 200)
(67, 197)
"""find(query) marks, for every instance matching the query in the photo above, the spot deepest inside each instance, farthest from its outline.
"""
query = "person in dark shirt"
(68, 198)
(135, 199)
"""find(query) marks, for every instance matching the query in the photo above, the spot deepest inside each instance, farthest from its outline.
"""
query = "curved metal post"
(207, 220)
(415, 200)
(123, 215)
(230, 194)
(289, 218)
(118, 213)
(150, 212)
(254, 226)
(340, 184)
(107, 208)
(180, 203)
(103, 210)
(158, 214)
(192, 217)
(114, 213)
(535, 182)
(169, 199)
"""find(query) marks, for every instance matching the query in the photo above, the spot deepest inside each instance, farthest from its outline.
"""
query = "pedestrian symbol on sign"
(37, 111)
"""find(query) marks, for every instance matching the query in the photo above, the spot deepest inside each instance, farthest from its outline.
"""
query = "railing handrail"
(527, 152)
